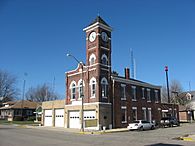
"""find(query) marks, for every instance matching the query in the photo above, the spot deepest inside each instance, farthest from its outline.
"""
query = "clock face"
(92, 36)
(104, 36)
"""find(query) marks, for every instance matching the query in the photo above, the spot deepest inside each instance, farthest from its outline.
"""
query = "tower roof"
(100, 20)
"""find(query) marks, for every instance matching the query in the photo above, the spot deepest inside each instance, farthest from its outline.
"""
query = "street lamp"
(81, 95)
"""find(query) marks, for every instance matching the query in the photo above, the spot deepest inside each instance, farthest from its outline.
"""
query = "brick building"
(109, 100)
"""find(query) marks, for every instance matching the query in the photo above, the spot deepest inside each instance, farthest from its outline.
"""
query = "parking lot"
(20, 136)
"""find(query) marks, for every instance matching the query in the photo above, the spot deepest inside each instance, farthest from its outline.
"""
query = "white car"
(141, 125)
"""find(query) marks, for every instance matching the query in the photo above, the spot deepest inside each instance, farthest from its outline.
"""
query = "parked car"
(141, 125)
(169, 121)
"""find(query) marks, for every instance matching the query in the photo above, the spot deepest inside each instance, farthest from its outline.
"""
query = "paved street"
(20, 136)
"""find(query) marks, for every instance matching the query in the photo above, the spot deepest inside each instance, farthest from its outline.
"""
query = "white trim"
(104, 69)
(123, 97)
(91, 82)
(72, 82)
(134, 91)
(165, 111)
(143, 108)
(90, 58)
(92, 103)
(93, 64)
(104, 48)
(93, 26)
(149, 108)
(159, 109)
(76, 73)
(135, 108)
(80, 82)
(81, 72)
(124, 108)
(104, 56)
(104, 79)
(92, 69)
(92, 48)
(143, 95)
(105, 65)
(73, 70)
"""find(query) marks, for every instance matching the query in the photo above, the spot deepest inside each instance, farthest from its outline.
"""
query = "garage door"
(59, 118)
(89, 115)
(48, 118)
(74, 120)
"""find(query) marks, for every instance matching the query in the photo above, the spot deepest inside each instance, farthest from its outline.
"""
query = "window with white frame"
(104, 59)
(149, 114)
(134, 112)
(156, 95)
(123, 94)
(123, 114)
(81, 88)
(144, 113)
(92, 59)
(133, 88)
(104, 87)
(73, 89)
(148, 95)
(143, 93)
(93, 87)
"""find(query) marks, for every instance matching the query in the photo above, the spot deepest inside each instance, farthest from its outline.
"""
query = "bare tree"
(41, 93)
(175, 87)
(8, 90)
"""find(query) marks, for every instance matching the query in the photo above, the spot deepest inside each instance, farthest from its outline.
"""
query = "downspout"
(113, 115)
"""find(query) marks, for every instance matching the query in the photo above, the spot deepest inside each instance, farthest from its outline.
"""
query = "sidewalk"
(78, 130)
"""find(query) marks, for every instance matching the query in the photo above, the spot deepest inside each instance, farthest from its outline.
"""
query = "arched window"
(93, 86)
(73, 89)
(104, 87)
(81, 91)
(104, 59)
(92, 59)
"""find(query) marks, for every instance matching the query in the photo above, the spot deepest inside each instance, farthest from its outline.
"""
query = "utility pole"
(166, 71)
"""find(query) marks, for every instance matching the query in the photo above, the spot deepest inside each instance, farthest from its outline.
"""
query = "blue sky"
(35, 36)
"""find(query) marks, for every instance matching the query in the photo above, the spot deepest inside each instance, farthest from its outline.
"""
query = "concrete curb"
(188, 138)
(105, 131)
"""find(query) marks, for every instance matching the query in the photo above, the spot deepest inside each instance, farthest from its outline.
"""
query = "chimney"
(127, 73)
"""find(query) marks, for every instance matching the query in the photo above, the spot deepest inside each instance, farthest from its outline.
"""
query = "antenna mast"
(132, 65)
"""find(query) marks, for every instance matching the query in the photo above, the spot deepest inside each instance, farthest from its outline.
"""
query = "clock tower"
(98, 60)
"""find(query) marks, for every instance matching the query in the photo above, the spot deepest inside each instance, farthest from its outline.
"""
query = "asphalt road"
(19, 136)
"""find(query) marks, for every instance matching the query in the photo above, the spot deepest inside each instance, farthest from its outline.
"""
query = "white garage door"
(89, 115)
(74, 120)
(59, 118)
(48, 118)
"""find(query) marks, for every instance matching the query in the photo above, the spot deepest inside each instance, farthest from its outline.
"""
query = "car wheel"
(152, 128)
(141, 128)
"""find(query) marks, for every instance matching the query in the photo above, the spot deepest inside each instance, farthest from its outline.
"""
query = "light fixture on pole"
(81, 95)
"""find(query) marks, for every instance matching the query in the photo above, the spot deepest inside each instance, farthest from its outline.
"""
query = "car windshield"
(135, 121)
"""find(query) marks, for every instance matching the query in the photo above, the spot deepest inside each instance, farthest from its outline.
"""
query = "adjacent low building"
(18, 110)
(109, 100)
